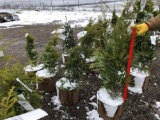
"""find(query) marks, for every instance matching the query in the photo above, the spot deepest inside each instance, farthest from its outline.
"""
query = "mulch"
(137, 106)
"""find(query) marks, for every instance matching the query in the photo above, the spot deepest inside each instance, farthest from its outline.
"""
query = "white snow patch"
(110, 104)
(138, 79)
(44, 73)
(158, 105)
(26, 35)
(153, 39)
(61, 30)
(94, 104)
(66, 84)
(30, 68)
(92, 97)
(136, 72)
(138, 85)
(90, 60)
(57, 102)
(157, 116)
(93, 115)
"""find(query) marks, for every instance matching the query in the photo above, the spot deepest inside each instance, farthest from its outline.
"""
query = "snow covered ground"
(79, 17)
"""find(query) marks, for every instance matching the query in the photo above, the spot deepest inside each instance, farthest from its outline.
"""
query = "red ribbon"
(129, 63)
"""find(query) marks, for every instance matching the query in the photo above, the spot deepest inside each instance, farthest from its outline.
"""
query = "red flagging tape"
(129, 62)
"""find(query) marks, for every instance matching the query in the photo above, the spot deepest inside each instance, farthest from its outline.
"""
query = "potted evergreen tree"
(111, 63)
(68, 86)
(69, 41)
(32, 55)
(144, 52)
(48, 73)
(92, 40)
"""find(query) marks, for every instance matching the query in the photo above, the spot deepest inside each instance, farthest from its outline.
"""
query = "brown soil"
(137, 106)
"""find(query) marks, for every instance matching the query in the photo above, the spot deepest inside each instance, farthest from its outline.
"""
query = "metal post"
(78, 5)
(64, 4)
(51, 5)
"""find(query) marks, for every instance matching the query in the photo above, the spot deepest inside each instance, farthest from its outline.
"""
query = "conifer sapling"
(30, 50)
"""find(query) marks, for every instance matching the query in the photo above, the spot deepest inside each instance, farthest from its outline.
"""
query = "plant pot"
(109, 108)
(47, 85)
(140, 81)
(67, 91)
(102, 112)
(68, 97)
(145, 84)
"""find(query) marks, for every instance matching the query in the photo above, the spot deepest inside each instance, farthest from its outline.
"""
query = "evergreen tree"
(30, 50)
(127, 13)
(114, 18)
(111, 60)
(76, 64)
(69, 41)
(137, 6)
(51, 55)
(7, 104)
(140, 17)
(8, 76)
(149, 6)
(144, 52)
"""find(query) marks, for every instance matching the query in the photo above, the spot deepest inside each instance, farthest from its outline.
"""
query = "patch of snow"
(26, 35)
(93, 115)
(93, 104)
(138, 79)
(136, 72)
(155, 83)
(56, 102)
(153, 39)
(66, 84)
(138, 85)
(30, 68)
(158, 105)
(87, 108)
(109, 103)
(44, 73)
(11, 27)
(92, 97)
(61, 30)
(157, 116)
(90, 60)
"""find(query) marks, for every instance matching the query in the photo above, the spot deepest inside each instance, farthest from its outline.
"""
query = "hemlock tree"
(69, 41)
(50, 55)
(30, 50)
